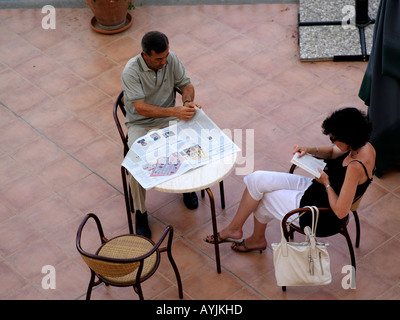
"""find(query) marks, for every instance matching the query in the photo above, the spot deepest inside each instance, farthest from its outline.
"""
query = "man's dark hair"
(348, 125)
(154, 40)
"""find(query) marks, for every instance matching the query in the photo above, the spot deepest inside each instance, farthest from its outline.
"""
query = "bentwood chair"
(290, 228)
(125, 260)
(119, 109)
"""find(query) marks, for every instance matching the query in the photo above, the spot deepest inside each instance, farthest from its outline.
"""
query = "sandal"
(210, 239)
(236, 246)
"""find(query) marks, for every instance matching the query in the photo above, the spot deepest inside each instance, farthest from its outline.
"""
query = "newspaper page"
(166, 153)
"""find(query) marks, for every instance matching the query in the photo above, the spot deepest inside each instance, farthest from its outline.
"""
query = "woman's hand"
(324, 178)
(301, 149)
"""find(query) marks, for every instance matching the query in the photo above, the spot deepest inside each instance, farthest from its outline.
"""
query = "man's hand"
(192, 104)
(185, 112)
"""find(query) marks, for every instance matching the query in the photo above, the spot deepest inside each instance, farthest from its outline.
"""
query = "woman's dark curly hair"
(348, 125)
(154, 40)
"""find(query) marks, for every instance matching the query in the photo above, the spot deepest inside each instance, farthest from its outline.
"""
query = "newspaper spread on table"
(184, 145)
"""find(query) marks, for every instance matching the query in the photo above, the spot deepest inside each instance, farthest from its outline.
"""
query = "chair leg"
(138, 289)
(173, 264)
(91, 284)
(350, 245)
(358, 229)
(177, 275)
(352, 256)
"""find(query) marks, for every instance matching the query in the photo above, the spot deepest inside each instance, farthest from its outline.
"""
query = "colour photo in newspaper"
(184, 145)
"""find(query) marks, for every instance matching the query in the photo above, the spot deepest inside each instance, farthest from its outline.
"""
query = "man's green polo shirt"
(156, 88)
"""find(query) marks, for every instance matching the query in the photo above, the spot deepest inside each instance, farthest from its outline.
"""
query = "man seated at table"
(148, 82)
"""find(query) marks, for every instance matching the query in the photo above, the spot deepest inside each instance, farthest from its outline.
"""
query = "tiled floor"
(60, 154)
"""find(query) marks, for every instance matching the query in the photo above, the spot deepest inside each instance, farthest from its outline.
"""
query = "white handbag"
(302, 264)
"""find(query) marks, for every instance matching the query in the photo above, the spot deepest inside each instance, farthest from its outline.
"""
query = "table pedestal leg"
(215, 230)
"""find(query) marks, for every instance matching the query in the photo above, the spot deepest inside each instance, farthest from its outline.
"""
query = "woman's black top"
(316, 195)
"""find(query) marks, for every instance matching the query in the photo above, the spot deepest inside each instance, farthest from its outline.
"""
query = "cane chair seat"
(127, 247)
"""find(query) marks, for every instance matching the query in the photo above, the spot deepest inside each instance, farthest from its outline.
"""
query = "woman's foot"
(225, 236)
(243, 247)
(210, 239)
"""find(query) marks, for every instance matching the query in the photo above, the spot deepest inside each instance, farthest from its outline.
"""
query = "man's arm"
(184, 112)
(188, 97)
(151, 111)
(187, 94)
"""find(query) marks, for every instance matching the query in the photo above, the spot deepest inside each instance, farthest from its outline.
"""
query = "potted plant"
(111, 16)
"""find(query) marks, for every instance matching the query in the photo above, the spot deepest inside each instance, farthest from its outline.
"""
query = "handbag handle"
(315, 215)
(313, 209)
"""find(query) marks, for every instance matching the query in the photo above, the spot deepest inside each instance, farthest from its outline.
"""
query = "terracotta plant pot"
(110, 16)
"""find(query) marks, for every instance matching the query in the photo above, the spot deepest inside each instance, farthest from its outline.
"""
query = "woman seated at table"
(350, 164)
